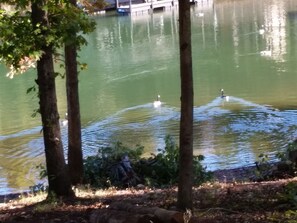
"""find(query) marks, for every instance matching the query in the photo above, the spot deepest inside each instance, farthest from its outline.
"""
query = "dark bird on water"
(224, 96)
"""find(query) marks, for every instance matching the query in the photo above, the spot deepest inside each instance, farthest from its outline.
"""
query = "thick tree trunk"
(58, 178)
(125, 212)
(185, 200)
(75, 156)
(162, 214)
(115, 216)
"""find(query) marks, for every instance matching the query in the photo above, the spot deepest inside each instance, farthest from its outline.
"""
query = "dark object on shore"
(122, 173)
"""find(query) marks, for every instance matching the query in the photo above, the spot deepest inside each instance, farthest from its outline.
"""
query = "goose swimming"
(224, 96)
(262, 30)
(266, 53)
(200, 14)
(64, 122)
(157, 103)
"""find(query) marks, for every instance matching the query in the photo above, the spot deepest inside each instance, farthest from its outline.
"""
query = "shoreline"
(240, 174)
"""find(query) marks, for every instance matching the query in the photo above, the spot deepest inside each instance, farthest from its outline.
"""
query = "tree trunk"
(124, 212)
(75, 156)
(184, 200)
(163, 215)
(116, 216)
(58, 178)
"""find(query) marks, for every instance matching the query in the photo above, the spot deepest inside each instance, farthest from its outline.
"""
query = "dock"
(150, 5)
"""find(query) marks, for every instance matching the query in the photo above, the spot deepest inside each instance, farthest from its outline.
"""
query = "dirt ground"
(231, 197)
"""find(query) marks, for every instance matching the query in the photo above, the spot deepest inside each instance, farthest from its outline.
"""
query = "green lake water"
(133, 59)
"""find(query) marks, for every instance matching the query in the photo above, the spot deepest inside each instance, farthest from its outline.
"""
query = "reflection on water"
(18, 160)
(133, 59)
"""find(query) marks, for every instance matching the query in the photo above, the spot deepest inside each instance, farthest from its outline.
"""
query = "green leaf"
(31, 89)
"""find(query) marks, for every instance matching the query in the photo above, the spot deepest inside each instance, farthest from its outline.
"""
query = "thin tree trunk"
(58, 178)
(75, 156)
(185, 200)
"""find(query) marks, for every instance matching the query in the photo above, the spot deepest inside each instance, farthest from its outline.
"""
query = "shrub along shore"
(235, 175)
(122, 167)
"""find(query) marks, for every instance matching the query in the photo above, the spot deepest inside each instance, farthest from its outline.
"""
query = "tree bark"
(184, 199)
(163, 215)
(58, 178)
(75, 155)
(116, 216)
(120, 212)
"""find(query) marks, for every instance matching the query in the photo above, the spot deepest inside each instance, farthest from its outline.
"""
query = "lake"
(246, 47)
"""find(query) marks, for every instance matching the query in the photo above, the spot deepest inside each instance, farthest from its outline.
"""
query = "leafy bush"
(97, 169)
(162, 169)
(158, 170)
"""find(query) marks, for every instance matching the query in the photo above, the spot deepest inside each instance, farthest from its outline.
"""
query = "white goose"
(262, 30)
(200, 14)
(157, 103)
(64, 122)
(266, 53)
